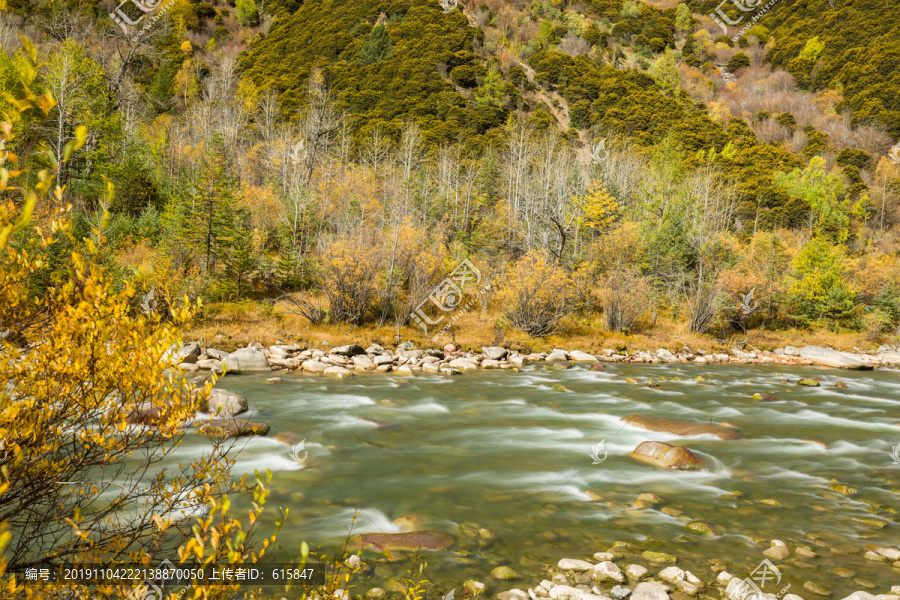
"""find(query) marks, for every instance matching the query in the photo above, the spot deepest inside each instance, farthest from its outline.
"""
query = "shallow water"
(508, 452)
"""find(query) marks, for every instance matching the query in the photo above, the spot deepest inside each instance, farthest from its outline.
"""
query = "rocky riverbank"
(603, 579)
(344, 361)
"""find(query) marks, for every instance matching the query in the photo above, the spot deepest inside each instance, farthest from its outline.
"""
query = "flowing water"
(510, 453)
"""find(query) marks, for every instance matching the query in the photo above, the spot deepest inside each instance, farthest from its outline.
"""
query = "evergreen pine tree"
(377, 48)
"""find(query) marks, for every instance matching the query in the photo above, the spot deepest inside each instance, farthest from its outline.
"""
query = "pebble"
(816, 588)
(619, 592)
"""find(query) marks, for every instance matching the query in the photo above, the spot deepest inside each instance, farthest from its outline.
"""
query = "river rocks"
(607, 571)
(658, 557)
(504, 573)
(619, 592)
(778, 551)
(349, 350)
(557, 356)
(702, 527)
(827, 357)
(225, 404)
(682, 427)
(666, 356)
(808, 383)
(663, 455)
(649, 590)
(565, 592)
(363, 362)
(686, 581)
(143, 413)
(429, 539)
(574, 564)
(892, 554)
(636, 572)
(816, 588)
(243, 360)
(579, 356)
(513, 594)
(188, 353)
(314, 366)
(765, 397)
(495, 352)
(383, 359)
(230, 428)
(860, 596)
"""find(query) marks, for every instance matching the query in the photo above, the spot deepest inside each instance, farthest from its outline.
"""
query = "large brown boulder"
(682, 427)
(229, 428)
(143, 413)
(660, 454)
(429, 539)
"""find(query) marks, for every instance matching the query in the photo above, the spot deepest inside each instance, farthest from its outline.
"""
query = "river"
(510, 453)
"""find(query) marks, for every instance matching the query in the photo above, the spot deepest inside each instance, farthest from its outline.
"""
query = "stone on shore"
(663, 455)
(557, 356)
(187, 353)
(495, 352)
(682, 427)
(314, 366)
(339, 372)
(349, 350)
(363, 362)
(243, 360)
(579, 356)
(230, 428)
(225, 404)
(827, 357)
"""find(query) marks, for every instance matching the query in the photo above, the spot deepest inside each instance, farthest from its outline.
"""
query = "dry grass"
(229, 326)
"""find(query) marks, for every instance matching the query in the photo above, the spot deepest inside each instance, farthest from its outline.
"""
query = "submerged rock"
(765, 397)
(504, 573)
(229, 428)
(809, 383)
(660, 454)
(429, 539)
(682, 427)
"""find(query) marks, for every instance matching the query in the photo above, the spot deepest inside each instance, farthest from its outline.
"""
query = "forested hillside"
(351, 153)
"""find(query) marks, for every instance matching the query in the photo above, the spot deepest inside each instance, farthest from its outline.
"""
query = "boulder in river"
(765, 397)
(667, 456)
(225, 404)
(243, 360)
(429, 539)
(827, 357)
(143, 413)
(188, 353)
(229, 428)
(682, 427)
